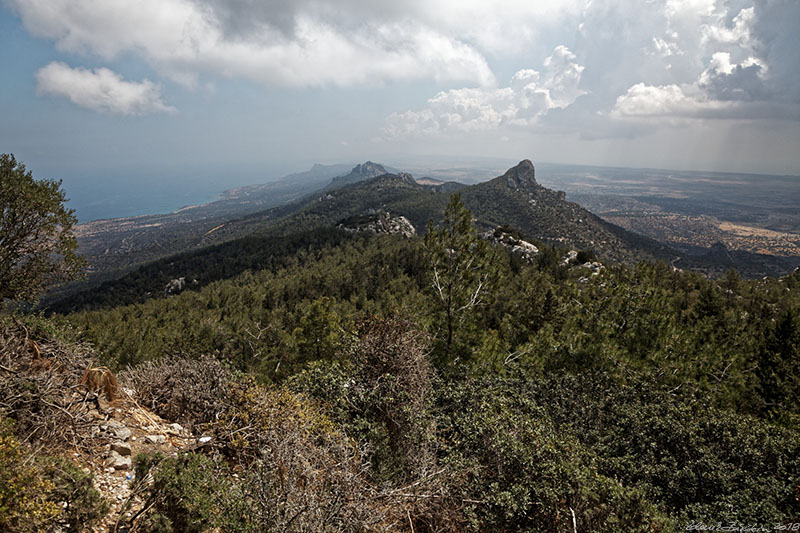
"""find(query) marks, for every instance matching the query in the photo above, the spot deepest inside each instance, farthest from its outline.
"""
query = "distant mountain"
(293, 185)
(120, 242)
(517, 199)
(514, 198)
(359, 173)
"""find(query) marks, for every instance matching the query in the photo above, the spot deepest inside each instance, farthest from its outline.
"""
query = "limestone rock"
(511, 240)
(155, 439)
(522, 176)
(116, 430)
(175, 286)
(175, 429)
(380, 222)
(118, 462)
(121, 448)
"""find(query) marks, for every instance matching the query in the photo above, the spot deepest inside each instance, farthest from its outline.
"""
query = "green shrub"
(188, 493)
(515, 471)
(696, 462)
(25, 504)
(82, 504)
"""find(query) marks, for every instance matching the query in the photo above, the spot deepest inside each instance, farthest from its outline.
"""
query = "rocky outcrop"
(406, 177)
(361, 172)
(522, 176)
(175, 286)
(512, 241)
(380, 222)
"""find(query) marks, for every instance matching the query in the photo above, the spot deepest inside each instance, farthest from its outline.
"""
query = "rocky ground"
(63, 404)
(121, 430)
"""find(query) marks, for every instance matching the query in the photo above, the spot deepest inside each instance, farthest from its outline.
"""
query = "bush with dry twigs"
(384, 399)
(41, 384)
(394, 370)
(300, 472)
(189, 391)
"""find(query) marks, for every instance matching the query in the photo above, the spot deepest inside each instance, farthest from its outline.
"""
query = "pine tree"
(461, 270)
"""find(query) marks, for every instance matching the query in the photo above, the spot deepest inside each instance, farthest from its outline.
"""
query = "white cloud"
(666, 48)
(101, 90)
(628, 47)
(529, 96)
(282, 43)
(648, 100)
(724, 80)
(739, 33)
(562, 76)
(737, 81)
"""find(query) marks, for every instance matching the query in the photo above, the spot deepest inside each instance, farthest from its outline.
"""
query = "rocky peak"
(368, 170)
(521, 176)
(361, 172)
(406, 177)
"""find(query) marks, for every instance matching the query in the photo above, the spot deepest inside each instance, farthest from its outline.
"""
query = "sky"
(210, 93)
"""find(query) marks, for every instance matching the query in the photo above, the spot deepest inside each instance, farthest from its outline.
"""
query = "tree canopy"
(37, 245)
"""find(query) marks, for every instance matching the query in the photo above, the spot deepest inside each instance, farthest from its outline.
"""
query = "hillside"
(369, 378)
(514, 199)
(121, 242)
(628, 390)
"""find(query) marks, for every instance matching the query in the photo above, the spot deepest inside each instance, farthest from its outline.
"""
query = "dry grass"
(100, 379)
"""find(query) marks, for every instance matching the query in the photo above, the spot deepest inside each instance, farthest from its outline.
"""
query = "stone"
(175, 286)
(175, 429)
(155, 439)
(503, 237)
(118, 462)
(380, 222)
(571, 256)
(118, 430)
(121, 448)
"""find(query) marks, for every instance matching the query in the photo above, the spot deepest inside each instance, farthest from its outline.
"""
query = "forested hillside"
(360, 377)
(483, 391)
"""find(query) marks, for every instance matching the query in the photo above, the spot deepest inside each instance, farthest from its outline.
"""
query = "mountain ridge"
(513, 198)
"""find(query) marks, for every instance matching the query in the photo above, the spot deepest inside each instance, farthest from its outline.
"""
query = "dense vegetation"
(446, 385)
(440, 383)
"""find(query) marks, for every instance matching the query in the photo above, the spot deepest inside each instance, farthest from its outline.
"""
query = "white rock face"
(121, 448)
(381, 222)
(516, 245)
(117, 430)
(571, 256)
(155, 439)
(175, 286)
